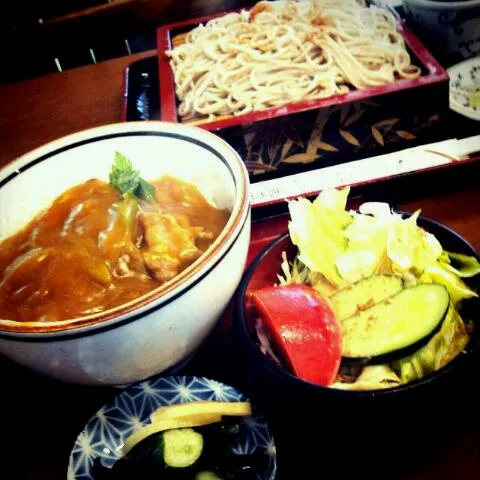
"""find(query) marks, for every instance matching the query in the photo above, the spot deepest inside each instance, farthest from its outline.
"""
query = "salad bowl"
(373, 423)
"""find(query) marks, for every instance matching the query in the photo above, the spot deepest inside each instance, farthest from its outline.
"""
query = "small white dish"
(464, 82)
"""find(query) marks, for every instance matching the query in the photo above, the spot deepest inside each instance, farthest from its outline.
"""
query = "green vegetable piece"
(145, 191)
(396, 323)
(457, 288)
(206, 475)
(128, 181)
(445, 345)
(364, 294)
(316, 228)
(464, 266)
(123, 176)
(182, 447)
(373, 377)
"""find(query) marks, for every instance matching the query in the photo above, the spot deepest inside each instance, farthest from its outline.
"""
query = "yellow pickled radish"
(202, 408)
(187, 415)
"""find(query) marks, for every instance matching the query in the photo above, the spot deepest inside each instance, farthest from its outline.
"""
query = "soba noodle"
(285, 51)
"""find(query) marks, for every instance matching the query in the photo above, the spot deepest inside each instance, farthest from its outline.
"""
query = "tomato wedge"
(304, 328)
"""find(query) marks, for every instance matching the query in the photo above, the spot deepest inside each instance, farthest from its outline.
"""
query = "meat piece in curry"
(171, 242)
(95, 249)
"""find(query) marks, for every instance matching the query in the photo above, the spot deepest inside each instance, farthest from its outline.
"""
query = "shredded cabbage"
(442, 347)
(373, 377)
(467, 266)
(343, 247)
(316, 228)
(297, 272)
(457, 288)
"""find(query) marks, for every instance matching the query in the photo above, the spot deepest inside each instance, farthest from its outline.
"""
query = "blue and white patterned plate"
(106, 432)
(465, 82)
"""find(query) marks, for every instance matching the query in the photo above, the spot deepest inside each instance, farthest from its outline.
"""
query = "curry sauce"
(93, 250)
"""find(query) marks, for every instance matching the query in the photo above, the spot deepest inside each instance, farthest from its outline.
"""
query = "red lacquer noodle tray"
(432, 74)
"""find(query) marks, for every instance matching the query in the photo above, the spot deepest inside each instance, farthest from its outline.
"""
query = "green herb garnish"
(124, 177)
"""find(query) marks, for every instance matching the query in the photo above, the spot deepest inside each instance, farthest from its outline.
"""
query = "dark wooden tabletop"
(37, 111)
(41, 418)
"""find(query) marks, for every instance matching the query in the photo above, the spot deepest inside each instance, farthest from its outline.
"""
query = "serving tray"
(432, 73)
(59, 411)
(433, 155)
(323, 132)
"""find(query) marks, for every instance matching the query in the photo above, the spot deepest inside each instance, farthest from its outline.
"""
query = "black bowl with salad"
(365, 324)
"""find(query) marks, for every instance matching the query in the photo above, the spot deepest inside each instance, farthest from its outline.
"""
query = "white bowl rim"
(454, 105)
(463, 64)
(466, 112)
(440, 5)
(165, 294)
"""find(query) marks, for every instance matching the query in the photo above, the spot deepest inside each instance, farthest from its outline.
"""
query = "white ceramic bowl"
(160, 329)
(451, 29)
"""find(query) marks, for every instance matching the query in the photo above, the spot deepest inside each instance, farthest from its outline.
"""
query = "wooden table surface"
(40, 110)
(42, 417)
